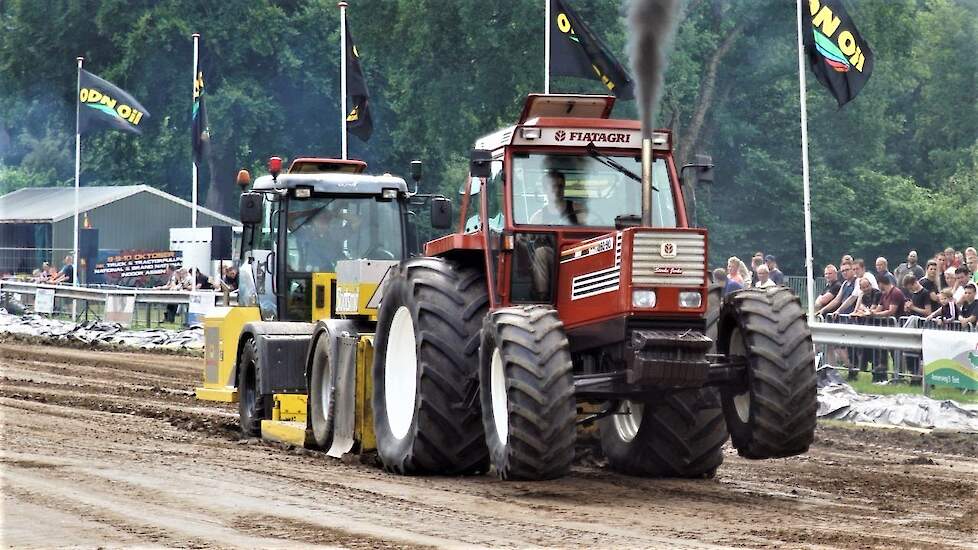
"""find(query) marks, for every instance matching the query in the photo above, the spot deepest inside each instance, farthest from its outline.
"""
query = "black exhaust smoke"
(652, 23)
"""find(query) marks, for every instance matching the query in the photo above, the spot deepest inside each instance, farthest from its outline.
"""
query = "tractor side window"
(494, 188)
(474, 221)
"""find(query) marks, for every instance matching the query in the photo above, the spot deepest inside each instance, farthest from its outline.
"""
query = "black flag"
(358, 121)
(576, 51)
(101, 104)
(200, 129)
(840, 58)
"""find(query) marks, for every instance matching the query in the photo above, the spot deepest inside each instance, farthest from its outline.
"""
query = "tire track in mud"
(115, 434)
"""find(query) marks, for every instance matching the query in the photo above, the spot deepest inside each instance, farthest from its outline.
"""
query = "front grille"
(690, 257)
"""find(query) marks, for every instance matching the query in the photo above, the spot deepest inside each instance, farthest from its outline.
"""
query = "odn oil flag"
(358, 121)
(576, 51)
(838, 54)
(102, 104)
(199, 126)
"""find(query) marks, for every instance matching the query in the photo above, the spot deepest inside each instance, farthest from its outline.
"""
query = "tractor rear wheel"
(252, 406)
(322, 389)
(527, 391)
(425, 381)
(773, 413)
(678, 435)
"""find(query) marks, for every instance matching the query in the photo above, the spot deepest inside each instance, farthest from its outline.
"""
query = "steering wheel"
(379, 250)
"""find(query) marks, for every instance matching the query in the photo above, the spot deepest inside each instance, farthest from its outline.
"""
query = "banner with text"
(135, 268)
(951, 359)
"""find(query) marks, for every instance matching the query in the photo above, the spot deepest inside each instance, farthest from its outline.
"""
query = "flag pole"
(74, 248)
(342, 6)
(546, 50)
(193, 162)
(804, 170)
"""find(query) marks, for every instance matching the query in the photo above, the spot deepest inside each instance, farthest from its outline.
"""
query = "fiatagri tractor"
(572, 292)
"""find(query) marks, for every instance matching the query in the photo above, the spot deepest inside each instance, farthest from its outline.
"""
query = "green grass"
(865, 385)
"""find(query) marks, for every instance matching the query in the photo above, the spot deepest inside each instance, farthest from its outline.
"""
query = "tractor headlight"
(389, 194)
(692, 299)
(643, 298)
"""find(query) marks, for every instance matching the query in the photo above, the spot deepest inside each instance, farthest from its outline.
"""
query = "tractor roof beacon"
(574, 290)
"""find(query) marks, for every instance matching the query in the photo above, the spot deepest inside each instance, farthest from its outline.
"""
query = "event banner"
(951, 359)
(135, 268)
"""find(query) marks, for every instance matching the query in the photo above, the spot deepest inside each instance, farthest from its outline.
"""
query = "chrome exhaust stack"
(646, 182)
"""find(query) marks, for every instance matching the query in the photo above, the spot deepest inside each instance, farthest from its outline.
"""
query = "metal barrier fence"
(143, 298)
(20, 260)
(859, 342)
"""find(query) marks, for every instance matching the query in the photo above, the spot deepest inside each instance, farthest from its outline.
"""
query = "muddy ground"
(108, 449)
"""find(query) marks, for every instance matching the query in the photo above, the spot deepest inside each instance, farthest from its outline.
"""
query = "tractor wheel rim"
(500, 401)
(628, 420)
(401, 373)
(741, 401)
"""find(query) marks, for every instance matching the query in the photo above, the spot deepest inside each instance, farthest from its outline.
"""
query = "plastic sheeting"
(837, 400)
(100, 332)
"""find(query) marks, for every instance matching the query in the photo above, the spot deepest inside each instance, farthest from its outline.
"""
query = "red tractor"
(574, 291)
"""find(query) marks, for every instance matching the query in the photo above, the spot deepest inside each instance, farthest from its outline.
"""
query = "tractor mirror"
(441, 213)
(416, 170)
(704, 168)
(480, 163)
(250, 207)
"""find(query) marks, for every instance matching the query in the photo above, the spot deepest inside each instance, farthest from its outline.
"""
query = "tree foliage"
(895, 169)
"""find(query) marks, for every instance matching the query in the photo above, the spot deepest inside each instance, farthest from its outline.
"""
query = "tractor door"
(258, 262)
(493, 223)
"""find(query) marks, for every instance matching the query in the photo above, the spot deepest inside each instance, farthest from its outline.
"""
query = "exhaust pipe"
(646, 182)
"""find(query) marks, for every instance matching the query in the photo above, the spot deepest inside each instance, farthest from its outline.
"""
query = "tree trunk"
(691, 137)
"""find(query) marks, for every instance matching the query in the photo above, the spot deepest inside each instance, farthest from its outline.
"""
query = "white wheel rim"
(741, 401)
(628, 420)
(401, 373)
(500, 401)
(324, 393)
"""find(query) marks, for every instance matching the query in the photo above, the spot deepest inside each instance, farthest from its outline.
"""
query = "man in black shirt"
(832, 287)
(775, 273)
(969, 307)
(919, 302)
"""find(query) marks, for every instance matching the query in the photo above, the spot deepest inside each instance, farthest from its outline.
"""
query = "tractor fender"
(283, 349)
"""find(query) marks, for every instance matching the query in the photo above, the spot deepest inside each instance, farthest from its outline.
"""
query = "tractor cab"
(318, 240)
(557, 201)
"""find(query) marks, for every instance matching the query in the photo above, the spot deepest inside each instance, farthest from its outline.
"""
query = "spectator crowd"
(941, 292)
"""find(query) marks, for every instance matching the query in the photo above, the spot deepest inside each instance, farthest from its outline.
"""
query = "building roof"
(53, 204)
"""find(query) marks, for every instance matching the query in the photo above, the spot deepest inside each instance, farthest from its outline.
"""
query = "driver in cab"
(556, 209)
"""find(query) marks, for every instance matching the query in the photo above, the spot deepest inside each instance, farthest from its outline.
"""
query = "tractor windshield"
(576, 190)
(325, 229)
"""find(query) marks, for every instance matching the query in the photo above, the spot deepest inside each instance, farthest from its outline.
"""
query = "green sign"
(951, 359)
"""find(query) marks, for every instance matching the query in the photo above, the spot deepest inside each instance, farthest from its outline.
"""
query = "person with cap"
(773, 272)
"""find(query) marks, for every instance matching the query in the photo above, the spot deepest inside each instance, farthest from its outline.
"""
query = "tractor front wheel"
(773, 412)
(527, 390)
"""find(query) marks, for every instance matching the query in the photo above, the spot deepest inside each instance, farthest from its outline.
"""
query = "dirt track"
(111, 449)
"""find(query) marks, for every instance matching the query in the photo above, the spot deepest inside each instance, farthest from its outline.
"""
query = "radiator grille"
(690, 258)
